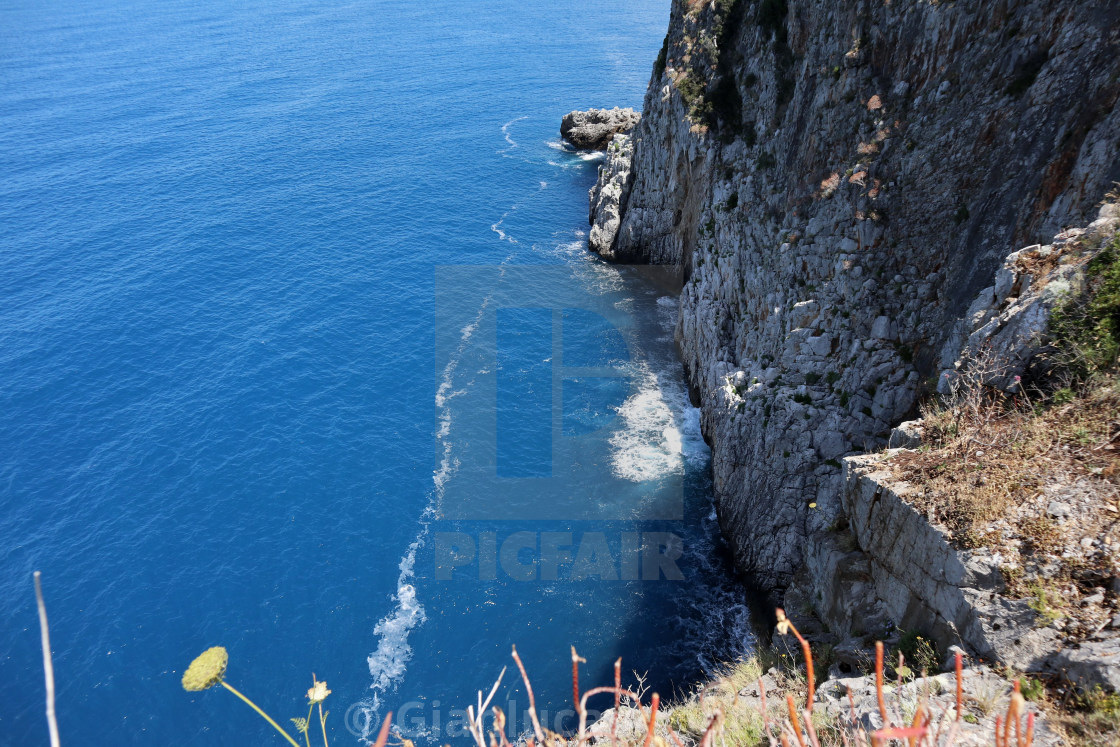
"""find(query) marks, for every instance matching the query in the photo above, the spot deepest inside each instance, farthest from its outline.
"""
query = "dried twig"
(532, 700)
(474, 722)
(765, 711)
(794, 721)
(597, 691)
(500, 727)
(717, 718)
(958, 668)
(809, 730)
(617, 699)
(575, 678)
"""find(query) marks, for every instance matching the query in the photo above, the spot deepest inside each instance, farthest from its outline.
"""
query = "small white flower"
(318, 693)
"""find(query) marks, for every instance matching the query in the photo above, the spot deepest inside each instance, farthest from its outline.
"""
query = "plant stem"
(323, 723)
(264, 715)
(307, 727)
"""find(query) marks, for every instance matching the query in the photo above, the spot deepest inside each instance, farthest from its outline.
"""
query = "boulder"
(594, 128)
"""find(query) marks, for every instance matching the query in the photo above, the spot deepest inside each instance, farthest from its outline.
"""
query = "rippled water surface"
(302, 354)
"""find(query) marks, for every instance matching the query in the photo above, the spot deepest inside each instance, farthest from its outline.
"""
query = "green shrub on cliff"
(1086, 326)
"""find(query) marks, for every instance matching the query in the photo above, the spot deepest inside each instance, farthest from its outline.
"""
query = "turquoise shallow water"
(243, 400)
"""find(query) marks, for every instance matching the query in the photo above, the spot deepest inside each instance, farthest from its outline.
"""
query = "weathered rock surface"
(890, 568)
(1091, 663)
(924, 583)
(1009, 320)
(594, 128)
(608, 196)
(985, 696)
(836, 185)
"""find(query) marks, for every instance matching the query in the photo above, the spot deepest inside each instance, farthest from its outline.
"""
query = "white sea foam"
(388, 663)
(390, 659)
(648, 445)
(660, 428)
(497, 227)
(505, 133)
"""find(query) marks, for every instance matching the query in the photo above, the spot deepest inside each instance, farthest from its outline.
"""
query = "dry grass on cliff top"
(1006, 462)
(1035, 475)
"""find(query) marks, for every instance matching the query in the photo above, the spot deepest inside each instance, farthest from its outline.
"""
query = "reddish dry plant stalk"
(710, 731)
(809, 730)
(919, 722)
(383, 735)
(765, 714)
(879, 683)
(784, 625)
(617, 698)
(575, 678)
(958, 668)
(910, 733)
(532, 700)
(793, 720)
(500, 724)
(655, 701)
(1015, 708)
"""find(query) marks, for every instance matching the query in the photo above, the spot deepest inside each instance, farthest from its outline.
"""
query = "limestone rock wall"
(920, 578)
(608, 196)
(836, 182)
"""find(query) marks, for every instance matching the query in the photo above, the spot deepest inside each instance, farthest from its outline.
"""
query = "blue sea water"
(302, 353)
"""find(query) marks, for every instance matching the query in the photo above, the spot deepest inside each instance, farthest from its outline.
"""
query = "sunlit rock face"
(837, 183)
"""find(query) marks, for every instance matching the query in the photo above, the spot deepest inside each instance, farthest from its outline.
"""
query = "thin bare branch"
(532, 701)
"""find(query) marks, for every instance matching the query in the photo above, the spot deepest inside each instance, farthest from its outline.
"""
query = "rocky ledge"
(594, 128)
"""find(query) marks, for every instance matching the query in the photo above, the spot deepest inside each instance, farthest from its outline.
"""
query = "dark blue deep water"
(302, 354)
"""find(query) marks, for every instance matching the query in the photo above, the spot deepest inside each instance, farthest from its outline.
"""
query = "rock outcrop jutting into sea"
(594, 128)
(836, 183)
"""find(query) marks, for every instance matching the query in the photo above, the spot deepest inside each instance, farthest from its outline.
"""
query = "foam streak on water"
(222, 422)
(389, 662)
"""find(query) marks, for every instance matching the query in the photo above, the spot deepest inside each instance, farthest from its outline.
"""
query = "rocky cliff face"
(836, 182)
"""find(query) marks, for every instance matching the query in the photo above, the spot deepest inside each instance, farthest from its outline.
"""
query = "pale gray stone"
(881, 328)
(907, 435)
(1091, 663)
(594, 128)
(1059, 510)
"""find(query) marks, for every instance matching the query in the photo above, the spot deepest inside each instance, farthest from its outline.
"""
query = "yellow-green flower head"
(207, 670)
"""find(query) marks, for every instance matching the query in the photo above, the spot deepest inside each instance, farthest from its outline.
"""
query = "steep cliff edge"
(836, 183)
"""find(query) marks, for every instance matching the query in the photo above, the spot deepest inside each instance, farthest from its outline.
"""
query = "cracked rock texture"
(594, 128)
(920, 577)
(885, 566)
(836, 183)
(985, 696)
(1009, 320)
(608, 196)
